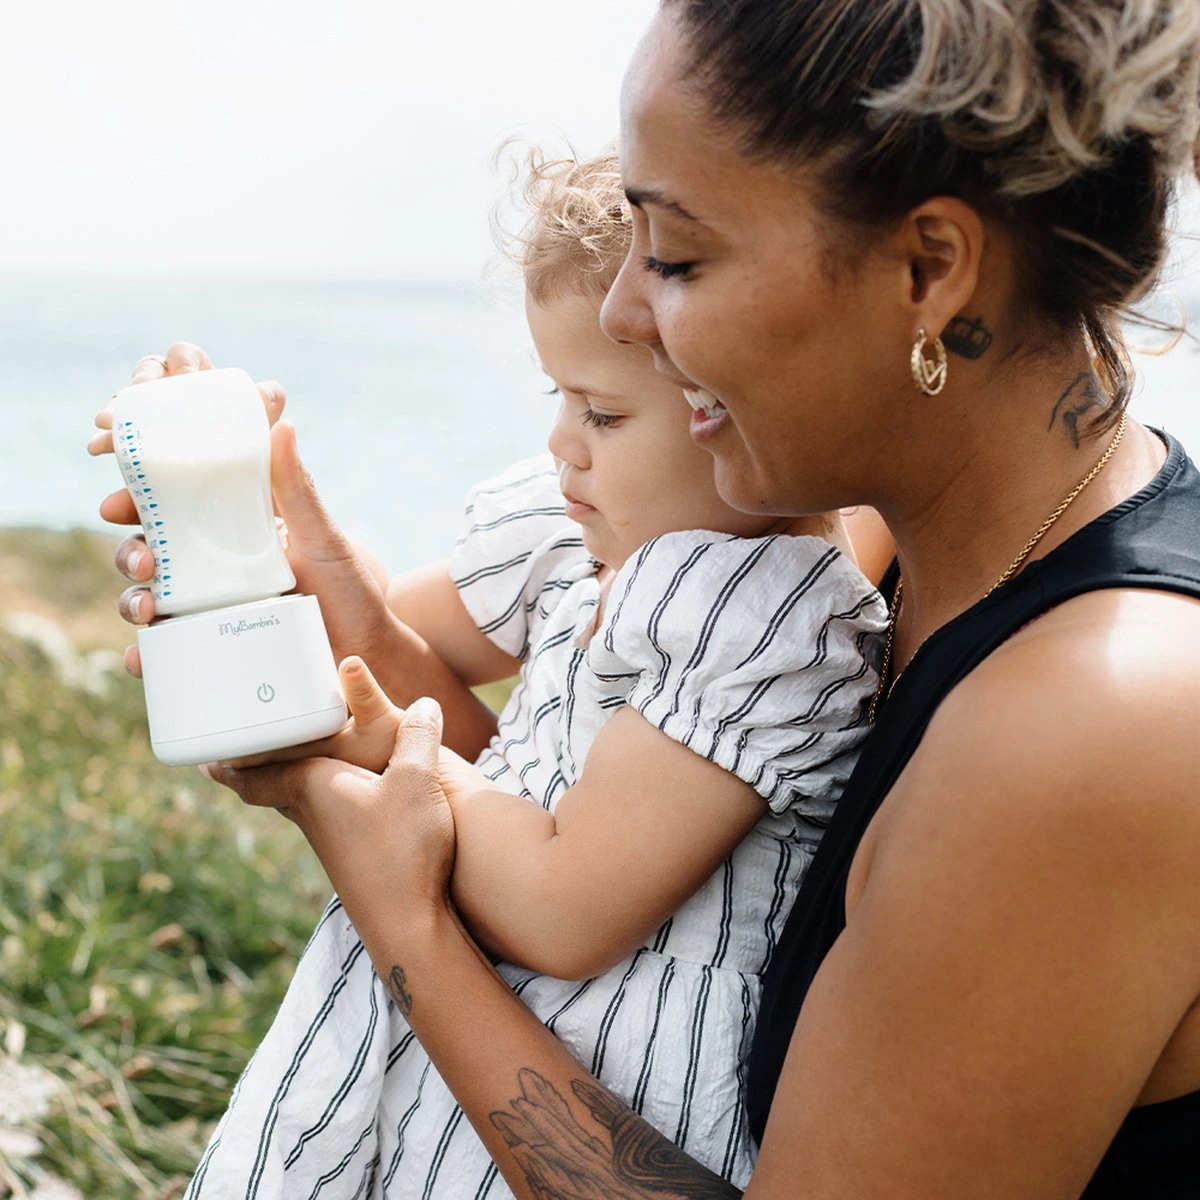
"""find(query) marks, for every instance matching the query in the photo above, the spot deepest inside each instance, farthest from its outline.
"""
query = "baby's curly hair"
(577, 233)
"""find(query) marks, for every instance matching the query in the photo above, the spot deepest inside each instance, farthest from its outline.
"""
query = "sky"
(290, 137)
(272, 137)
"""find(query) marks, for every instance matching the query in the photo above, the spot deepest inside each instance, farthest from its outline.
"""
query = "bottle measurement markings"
(129, 447)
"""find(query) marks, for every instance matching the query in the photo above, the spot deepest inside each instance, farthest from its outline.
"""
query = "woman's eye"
(668, 270)
(603, 420)
(554, 391)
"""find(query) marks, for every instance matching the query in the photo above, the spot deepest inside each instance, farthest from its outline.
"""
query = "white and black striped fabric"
(757, 653)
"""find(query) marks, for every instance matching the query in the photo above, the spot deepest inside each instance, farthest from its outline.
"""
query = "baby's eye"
(668, 270)
(602, 420)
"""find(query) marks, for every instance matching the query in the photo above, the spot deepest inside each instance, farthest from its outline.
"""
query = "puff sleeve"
(519, 553)
(759, 653)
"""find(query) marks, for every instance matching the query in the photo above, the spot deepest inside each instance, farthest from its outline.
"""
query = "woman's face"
(735, 284)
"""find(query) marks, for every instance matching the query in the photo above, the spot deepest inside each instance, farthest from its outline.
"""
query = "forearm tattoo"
(967, 338)
(1082, 396)
(561, 1160)
(397, 987)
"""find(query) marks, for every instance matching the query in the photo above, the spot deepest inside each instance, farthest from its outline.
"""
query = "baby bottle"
(237, 667)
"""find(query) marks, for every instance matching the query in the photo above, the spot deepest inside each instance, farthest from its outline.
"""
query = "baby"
(692, 693)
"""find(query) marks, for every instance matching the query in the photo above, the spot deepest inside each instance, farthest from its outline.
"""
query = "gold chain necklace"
(1013, 567)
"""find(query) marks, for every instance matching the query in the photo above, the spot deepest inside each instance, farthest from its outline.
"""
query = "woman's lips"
(703, 401)
(708, 414)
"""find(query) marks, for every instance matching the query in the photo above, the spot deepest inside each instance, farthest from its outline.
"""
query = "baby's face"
(627, 464)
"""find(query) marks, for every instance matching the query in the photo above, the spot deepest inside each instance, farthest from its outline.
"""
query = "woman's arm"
(1019, 963)
(387, 844)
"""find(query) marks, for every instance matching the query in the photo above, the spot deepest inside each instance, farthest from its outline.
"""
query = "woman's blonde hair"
(1066, 120)
(577, 232)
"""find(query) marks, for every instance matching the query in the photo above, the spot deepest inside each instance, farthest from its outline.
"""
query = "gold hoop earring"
(929, 376)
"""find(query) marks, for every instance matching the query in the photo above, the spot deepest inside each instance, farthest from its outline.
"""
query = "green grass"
(149, 923)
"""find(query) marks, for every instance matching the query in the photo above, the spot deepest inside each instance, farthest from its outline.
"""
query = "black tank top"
(1151, 540)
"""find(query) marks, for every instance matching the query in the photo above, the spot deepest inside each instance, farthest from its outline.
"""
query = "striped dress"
(759, 654)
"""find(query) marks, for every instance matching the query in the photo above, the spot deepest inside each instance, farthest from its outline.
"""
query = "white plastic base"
(240, 680)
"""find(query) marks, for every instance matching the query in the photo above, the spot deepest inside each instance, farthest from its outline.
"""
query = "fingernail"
(136, 559)
(135, 607)
(205, 770)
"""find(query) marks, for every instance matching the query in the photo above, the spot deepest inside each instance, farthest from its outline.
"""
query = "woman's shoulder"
(1084, 720)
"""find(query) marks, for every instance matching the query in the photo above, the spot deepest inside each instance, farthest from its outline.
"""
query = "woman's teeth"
(705, 402)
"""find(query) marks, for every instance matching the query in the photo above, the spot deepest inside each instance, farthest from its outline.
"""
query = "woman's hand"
(386, 841)
(322, 558)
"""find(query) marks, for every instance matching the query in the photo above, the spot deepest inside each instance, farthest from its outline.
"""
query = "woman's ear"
(944, 241)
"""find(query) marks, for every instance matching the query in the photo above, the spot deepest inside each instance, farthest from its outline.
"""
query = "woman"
(884, 244)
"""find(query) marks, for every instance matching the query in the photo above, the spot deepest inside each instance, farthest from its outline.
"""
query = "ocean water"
(403, 395)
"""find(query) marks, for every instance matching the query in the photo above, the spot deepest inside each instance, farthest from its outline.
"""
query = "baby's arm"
(427, 601)
(571, 893)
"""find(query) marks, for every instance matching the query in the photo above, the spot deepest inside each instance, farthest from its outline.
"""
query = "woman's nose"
(626, 315)
(566, 441)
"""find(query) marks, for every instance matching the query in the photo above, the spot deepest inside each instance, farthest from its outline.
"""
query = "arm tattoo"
(1082, 396)
(563, 1161)
(397, 987)
(967, 338)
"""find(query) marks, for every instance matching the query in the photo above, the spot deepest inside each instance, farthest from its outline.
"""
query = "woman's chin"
(744, 490)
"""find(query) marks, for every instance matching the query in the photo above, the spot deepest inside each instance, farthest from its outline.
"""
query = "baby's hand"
(366, 740)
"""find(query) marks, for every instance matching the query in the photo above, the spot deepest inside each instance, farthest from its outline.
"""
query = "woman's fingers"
(118, 508)
(184, 357)
(419, 738)
(274, 399)
(262, 787)
(364, 697)
(311, 530)
(290, 787)
(134, 560)
(136, 606)
(180, 359)
(147, 368)
(102, 440)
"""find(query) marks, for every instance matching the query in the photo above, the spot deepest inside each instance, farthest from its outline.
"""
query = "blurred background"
(305, 190)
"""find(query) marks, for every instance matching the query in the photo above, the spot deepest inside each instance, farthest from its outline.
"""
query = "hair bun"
(1049, 89)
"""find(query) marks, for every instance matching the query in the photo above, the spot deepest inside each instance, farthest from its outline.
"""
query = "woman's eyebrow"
(639, 196)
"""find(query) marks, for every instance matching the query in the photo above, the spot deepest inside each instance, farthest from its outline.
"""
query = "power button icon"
(266, 693)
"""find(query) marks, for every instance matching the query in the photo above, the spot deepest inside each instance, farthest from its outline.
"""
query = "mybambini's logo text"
(237, 628)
